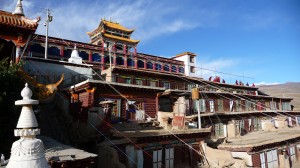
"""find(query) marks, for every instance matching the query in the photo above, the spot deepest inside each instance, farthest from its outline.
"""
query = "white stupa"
(75, 58)
(19, 9)
(27, 152)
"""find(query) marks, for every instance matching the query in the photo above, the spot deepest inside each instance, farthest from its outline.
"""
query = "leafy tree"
(10, 89)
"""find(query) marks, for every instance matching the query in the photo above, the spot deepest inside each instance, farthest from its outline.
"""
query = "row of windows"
(221, 105)
(119, 60)
(148, 82)
(270, 158)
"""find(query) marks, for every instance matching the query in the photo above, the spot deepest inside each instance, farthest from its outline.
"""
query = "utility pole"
(48, 20)
(195, 96)
(199, 116)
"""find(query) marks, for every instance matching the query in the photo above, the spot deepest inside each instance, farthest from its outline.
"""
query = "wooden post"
(90, 56)
(125, 49)
(125, 55)
(135, 52)
(62, 51)
(135, 63)
(18, 53)
(102, 56)
(145, 64)
(115, 54)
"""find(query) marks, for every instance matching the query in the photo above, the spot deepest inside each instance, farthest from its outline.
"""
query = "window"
(169, 157)
(174, 68)
(120, 60)
(84, 55)
(192, 59)
(128, 80)
(211, 106)
(138, 82)
(130, 62)
(157, 66)
(202, 105)
(240, 126)
(262, 160)
(166, 68)
(153, 83)
(96, 57)
(141, 64)
(192, 69)
(238, 105)
(273, 105)
(140, 158)
(149, 65)
(248, 105)
(181, 70)
(286, 106)
(220, 105)
(231, 105)
(219, 130)
(116, 109)
(256, 124)
(157, 159)
(272, 158)
(53, 51)
(166, 85)
(190, 86)
(298, 120)
(292, 153)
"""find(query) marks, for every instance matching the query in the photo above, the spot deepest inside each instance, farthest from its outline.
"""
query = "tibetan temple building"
(150, 111)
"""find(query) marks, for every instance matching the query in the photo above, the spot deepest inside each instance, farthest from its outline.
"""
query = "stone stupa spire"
(27, 152)
(19, 9)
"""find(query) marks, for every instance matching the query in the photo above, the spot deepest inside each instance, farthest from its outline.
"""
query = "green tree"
(10, 89)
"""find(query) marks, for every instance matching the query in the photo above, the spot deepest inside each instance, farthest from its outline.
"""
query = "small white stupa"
(19, 9)
(75, 58)
(27, 152)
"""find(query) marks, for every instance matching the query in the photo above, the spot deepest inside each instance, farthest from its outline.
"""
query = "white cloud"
(212, 68)
(150, 19)
(8, 5)
(266, 83)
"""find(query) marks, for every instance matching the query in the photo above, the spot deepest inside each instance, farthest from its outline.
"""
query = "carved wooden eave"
(16, 28)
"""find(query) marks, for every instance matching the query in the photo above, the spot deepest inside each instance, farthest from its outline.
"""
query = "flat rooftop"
(56, 151)
(260, 138)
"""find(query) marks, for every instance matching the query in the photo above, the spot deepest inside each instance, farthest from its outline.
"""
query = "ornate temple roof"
(115, 25)
(120, 38)
(9, 19)
(113, 31)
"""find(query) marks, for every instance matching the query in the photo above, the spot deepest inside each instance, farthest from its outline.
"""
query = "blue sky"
(252, 38)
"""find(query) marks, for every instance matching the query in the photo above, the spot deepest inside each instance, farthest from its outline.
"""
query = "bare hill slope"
(290, 89)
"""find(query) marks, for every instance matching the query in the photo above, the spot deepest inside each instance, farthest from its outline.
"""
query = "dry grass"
(291, 89)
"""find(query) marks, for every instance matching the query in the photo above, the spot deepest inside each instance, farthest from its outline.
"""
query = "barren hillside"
(290, 89)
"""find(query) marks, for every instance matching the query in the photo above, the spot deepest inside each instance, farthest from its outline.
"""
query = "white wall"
(187, 64)
(243, 155)
(73, 73)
